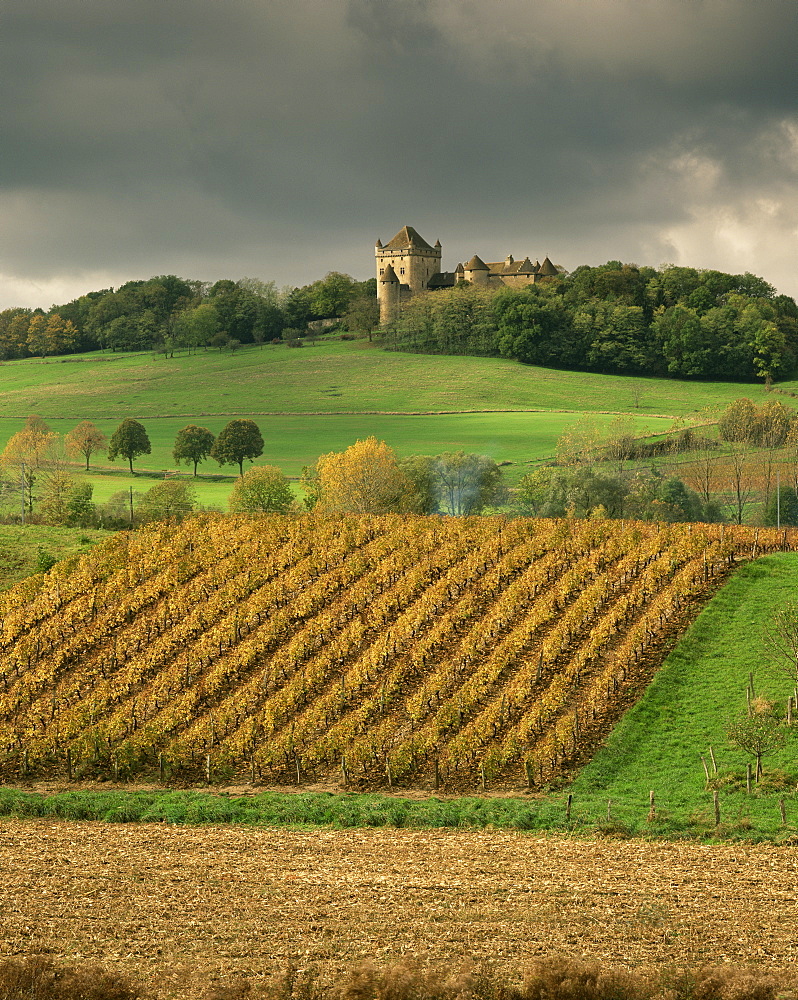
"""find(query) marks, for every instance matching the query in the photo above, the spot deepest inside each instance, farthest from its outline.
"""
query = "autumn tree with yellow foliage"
(35, 454)
(364, 479)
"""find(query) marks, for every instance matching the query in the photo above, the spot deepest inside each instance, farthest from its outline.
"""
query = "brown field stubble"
(180, 909)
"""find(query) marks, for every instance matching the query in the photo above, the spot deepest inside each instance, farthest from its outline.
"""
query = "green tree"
(758, 734)
(80, 511)
(37, 340)
(84, 440)
(783, 508)
(533, 489)
(196, 327)
(460, 484)
(363, 316)
(262, 489)
(238, 440)
(171, 498)
(129, 440)
(331, 296)
(193, 444)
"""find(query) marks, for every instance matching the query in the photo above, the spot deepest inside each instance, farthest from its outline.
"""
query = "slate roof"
(407, 238)
(547, 268)
(389, 274)
(444, 279)
(476, 264)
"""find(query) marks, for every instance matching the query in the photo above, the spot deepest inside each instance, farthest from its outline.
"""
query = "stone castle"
(408, 265)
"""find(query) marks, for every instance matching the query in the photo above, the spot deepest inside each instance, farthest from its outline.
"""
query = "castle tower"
(413, 262)
(476, 271)
(388, 290)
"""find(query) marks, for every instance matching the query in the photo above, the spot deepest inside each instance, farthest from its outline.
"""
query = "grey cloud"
(281, 138)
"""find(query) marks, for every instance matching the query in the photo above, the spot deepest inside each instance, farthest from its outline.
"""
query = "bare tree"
(780, 635)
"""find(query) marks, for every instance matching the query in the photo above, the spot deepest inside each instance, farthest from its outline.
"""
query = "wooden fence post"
(568, 808)
(716, 804)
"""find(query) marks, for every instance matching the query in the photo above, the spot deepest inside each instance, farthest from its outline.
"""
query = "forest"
(168, 313)
(619, 318)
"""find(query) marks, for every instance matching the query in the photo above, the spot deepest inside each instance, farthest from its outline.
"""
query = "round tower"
(476, 271)
(388, 294)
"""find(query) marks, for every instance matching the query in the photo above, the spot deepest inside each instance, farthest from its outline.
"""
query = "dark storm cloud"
(279, 138)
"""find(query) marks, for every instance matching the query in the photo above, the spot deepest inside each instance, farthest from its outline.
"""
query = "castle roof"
(379, 244)
(443, 279)
(476, 264)
(527, 267)
(389, 274)
(547, 268)
(458, 269)
(407, 239)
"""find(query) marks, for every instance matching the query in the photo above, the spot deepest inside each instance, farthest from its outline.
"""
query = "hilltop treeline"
(677, 321)
(169, 313)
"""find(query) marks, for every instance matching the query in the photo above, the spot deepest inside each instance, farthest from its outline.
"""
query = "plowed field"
(180, 908)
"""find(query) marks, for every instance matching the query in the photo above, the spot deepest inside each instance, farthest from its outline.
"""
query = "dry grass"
(182, 910)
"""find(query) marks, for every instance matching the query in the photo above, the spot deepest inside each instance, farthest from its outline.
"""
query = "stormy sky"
(278, 139)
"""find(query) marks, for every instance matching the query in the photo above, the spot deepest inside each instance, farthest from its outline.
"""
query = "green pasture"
(293, 441)
(328, 377)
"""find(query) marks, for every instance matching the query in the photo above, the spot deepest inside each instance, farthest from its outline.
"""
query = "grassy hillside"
(34, 548)
(393, 651)
(658, 744)
(332, 376)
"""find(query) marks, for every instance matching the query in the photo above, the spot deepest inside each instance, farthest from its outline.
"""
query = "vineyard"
(380, 652)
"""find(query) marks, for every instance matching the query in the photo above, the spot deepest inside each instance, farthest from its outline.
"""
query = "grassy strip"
(311, 809)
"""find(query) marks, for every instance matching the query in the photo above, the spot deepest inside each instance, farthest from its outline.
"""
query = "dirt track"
(180, 907)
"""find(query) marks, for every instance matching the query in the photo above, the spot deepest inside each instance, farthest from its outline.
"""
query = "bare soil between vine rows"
(182, 908)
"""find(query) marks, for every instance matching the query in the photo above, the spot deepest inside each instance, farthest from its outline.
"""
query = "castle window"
(382, 270)
(401, 270)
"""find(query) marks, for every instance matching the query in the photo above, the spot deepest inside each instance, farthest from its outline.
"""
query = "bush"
(41, 979)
